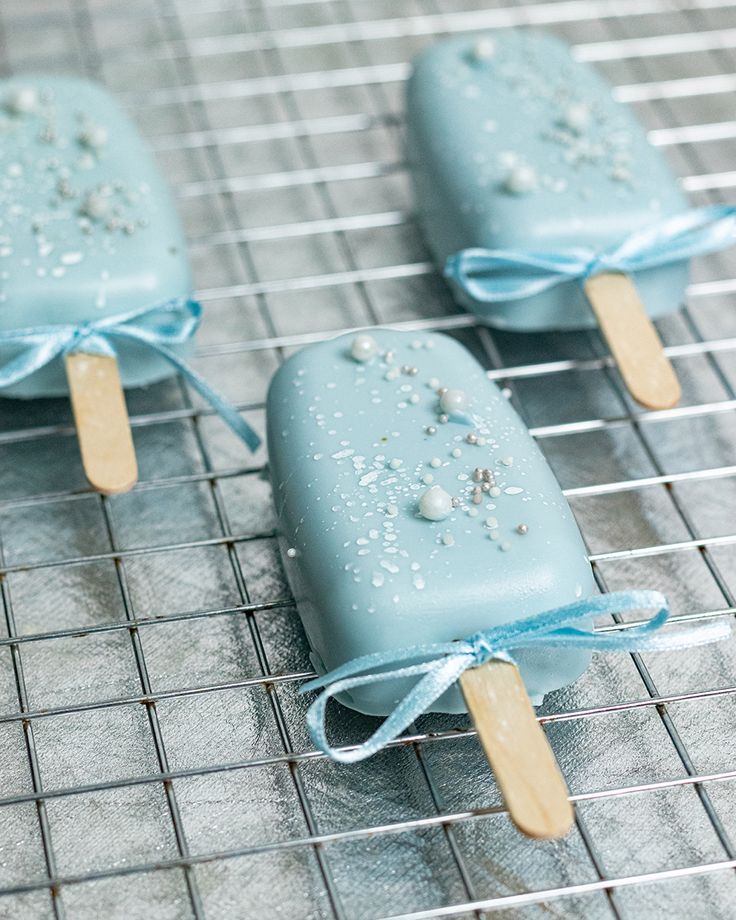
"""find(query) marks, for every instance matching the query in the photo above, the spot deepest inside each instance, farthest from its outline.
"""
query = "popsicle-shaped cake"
(414, 506)
(89, 231)
(515, 147)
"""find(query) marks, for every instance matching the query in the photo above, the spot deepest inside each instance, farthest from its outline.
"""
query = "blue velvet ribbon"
(497, 275)
(158, 327)
(439, 666)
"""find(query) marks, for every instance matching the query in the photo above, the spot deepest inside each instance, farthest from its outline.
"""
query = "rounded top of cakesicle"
(530, 145)
(89, 228)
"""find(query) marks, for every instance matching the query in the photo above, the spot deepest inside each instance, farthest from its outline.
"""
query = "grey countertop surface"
(153, 754)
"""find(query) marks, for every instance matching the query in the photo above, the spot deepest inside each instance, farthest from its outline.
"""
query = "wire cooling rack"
(153, 756)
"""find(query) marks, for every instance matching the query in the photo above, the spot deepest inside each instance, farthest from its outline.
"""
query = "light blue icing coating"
(87, 226)
(515, 145)
(349, 452)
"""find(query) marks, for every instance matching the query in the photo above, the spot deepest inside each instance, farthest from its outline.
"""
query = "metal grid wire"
(153, 756)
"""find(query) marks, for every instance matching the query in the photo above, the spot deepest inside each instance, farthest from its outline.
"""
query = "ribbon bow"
(495, 275)
(158, 328)
(440, 665)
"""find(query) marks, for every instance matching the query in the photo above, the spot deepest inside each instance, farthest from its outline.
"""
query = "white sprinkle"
(513, 490)
(521, 180)
(576, 117)
(418, 582)
(378, 579)
(484, 49)
(22, 100)
(71, 258)
(94, 136)
(389, 566)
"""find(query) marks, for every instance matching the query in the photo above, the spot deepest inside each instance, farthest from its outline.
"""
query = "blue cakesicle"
(89, 228)
(410, 516)
(514, 145)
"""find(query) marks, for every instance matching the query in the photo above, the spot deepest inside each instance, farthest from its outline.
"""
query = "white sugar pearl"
(94, 136)
(453, 401)
(521, 180)
(484, 49)
(364, 347)
(435, 504)
(22, 100)
(95, 206)
(576, 117)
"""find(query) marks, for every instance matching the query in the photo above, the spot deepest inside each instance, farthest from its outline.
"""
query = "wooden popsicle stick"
(517, 749)
(101, 418)
(634, 342)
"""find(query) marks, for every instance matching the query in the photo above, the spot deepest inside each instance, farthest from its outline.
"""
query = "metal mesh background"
(153, 758)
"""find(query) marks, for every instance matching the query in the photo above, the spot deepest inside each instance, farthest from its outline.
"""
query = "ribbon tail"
(554, 625)
(438, 676)
(228, 413)
(706, 634)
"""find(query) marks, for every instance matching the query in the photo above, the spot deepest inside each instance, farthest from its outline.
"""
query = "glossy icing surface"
(513, 144)
(408, 516)
(88, 228)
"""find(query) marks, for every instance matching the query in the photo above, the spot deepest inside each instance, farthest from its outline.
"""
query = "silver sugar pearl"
(430, 429)
(477, 474)
(444, 419)
(471, 438)
(456, 503)
(522, 529)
